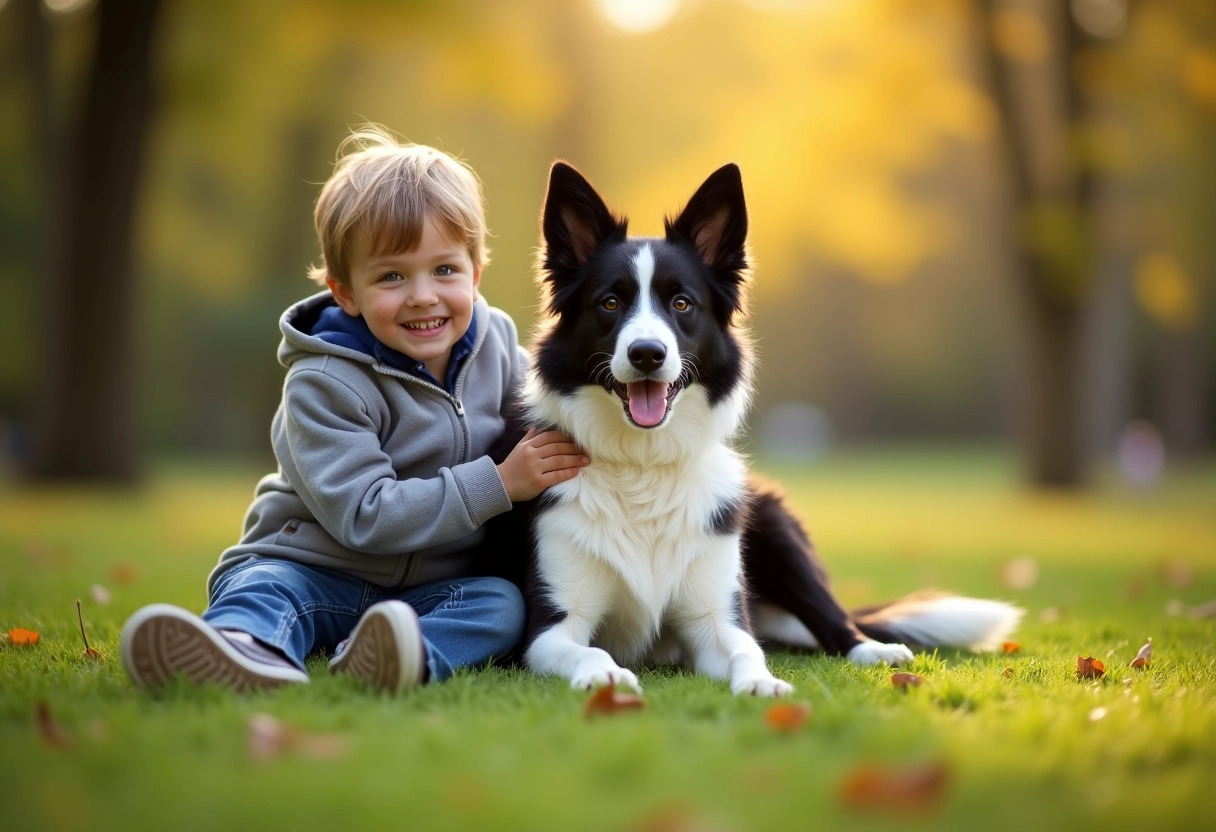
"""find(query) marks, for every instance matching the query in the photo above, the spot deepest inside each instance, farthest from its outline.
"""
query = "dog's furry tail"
(939, 619)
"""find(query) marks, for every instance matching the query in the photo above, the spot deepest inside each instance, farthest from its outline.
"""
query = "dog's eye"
(610, 303)
(681, 304)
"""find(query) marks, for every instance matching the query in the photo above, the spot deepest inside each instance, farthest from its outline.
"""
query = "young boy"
(397, 379)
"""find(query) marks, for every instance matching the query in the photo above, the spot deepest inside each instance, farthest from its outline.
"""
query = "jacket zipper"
(457, 405)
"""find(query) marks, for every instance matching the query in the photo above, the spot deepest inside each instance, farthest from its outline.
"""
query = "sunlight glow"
(66, 6)
(639, 16)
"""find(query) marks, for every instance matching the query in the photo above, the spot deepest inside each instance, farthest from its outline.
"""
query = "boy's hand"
(539, 461)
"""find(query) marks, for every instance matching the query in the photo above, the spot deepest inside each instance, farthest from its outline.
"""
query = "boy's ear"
(343, 295)
(477, 282)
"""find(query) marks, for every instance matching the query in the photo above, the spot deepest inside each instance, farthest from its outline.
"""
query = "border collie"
(664, 548)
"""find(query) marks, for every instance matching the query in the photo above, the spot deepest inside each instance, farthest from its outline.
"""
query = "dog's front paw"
(601, 672)
(767, 686)
(875, 652)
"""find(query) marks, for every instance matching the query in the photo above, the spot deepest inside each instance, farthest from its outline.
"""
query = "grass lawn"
(1019, 740)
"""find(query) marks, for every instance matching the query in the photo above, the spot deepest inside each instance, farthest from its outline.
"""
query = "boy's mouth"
(425, 326)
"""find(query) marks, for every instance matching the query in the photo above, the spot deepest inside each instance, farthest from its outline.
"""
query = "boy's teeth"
(426, 324)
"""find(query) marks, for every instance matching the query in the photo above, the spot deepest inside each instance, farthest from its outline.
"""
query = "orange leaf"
(908, 788)
(1090, 668)
(605, 700)
(1010, 646)
(906, 680)
(22, 637)
(124, 573)
(1145, 655)
(787, 717)
(52, 732)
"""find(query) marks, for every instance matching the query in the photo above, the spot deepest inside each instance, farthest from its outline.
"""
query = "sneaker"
(161, 641)
(385, 649)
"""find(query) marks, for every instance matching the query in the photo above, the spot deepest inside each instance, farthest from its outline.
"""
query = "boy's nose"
(422, 294)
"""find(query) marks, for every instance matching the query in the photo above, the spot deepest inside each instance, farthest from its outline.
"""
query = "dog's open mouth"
(647, 402)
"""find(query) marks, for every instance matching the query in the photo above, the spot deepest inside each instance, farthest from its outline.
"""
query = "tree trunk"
(1045, 182)
(84, 416)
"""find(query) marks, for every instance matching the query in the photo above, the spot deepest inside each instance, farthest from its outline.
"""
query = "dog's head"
(643, 318)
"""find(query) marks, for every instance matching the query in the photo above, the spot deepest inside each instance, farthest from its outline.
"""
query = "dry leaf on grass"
(1008, 672)
(904, 681)
(89, 652)
(1010, 647)
(52, 732)
(1145, 655)
(1020, 573)
(269, 738)
(607, 701)
(22, 637)
(1205, 610)
(895, 789)
(787, 717)
(1090, 668)
(124, 573)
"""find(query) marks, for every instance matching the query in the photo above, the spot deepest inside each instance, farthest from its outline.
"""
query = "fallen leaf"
(22, 637)
(605, 700)
(1008, 672)
(906, 680)
(100, 594)
(1090, 668)
(1203, 610)
(787, 717)
(904, 789)
(1010, 646)
(124, 573)
(1178, 574)
(52, 732)
(1021, 573)
(268, 738)
(1145, 655)
(89, 652)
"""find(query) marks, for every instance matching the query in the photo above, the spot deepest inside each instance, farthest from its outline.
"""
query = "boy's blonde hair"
(386, 188)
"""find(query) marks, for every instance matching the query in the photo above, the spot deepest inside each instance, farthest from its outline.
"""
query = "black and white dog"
(664, 548)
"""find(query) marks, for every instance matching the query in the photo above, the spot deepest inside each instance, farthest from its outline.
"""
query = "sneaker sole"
(160, 642)
(385, 649)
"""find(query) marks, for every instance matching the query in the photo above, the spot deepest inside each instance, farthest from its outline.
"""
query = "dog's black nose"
(647, 356)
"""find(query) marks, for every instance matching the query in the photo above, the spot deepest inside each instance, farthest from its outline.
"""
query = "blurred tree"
(84, 423)
(1030, 48)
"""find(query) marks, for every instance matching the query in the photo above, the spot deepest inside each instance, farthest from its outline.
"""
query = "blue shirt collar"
(334, 326)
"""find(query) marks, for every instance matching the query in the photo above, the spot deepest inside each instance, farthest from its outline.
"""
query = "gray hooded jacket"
(382, 475)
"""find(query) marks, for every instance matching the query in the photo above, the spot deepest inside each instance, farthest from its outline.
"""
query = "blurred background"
(972, 220)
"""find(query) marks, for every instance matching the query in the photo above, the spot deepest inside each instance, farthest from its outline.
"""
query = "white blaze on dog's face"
(643, 319)
(647, 356)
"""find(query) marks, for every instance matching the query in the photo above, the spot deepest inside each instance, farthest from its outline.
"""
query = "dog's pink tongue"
(647, 402)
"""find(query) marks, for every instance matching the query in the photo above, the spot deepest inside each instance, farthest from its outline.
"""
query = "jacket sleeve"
(348, 482)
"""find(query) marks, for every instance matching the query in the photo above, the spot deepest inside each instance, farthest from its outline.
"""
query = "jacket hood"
(318, 326)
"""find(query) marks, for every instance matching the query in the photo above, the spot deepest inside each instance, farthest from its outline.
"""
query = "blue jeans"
(297, 609)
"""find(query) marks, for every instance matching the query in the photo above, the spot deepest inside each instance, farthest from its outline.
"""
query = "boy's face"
(418, 302)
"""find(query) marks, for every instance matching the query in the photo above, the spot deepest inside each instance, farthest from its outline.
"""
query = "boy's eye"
(391, 277)
(445, 270)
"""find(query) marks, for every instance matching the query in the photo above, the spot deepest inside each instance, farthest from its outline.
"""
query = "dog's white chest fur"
(621, 541)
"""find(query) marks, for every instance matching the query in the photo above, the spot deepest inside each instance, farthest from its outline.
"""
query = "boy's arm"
(347, 480)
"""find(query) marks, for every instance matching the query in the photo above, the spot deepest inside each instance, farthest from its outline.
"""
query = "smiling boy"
(398, 377)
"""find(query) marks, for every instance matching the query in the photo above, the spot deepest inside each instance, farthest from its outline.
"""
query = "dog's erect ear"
(715, 221)
(575, 219)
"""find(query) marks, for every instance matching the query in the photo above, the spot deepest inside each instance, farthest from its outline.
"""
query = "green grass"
(497, 749)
